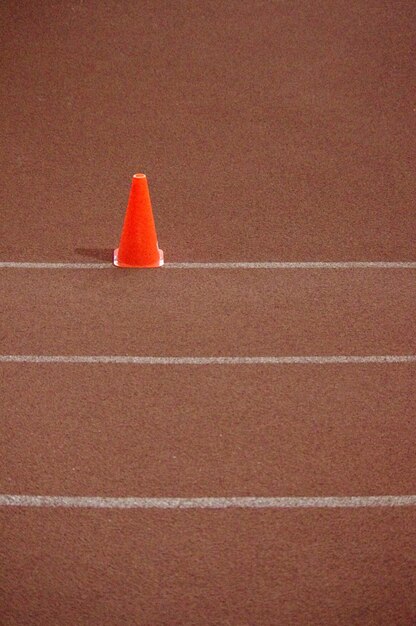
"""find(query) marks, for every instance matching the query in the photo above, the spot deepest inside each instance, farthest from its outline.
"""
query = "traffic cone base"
(138, 243)
(118, 263)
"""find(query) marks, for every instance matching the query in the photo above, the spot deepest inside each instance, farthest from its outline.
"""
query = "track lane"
(213, 431)
(213, 567)
(216, 313)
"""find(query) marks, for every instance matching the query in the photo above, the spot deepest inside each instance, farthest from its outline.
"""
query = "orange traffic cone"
(138, 243)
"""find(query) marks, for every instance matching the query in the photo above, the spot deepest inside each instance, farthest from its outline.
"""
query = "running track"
(230, 439)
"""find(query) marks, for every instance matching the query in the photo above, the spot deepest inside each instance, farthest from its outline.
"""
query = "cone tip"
(139, 176)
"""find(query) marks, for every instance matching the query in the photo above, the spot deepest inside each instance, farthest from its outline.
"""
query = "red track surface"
(268, 131)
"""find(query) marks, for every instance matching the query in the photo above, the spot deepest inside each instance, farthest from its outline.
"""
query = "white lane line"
(206, 360)
(54, 266)
(206, 503)
(270, 265)
(310, 265)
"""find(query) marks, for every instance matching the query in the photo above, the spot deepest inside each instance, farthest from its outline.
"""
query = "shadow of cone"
(138, 243)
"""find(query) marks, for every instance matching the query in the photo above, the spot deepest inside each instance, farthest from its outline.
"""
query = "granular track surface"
(269, 131)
